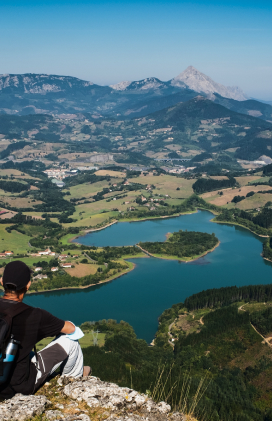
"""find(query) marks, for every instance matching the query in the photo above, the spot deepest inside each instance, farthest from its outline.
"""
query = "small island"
(182, 245)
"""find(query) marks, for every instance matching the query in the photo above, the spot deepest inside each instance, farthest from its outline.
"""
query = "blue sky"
(110, 41)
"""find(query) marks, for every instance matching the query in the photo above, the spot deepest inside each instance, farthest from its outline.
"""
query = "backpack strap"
(7, 316)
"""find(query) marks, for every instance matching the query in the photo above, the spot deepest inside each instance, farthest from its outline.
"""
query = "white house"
(66, 265)
(40, 276)
(63, 256)
(45, 252)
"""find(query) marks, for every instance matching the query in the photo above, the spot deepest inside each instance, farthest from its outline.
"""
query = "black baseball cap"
(16, 275)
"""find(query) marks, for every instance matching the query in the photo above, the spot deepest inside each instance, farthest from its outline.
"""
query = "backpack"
(8, 344)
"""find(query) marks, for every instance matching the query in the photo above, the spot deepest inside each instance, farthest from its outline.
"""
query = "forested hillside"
(218, 344)
(203, 185)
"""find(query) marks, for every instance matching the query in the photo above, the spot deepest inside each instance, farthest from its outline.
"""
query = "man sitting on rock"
(31, 326)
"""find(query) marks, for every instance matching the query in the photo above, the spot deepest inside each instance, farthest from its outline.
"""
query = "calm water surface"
(140, 296)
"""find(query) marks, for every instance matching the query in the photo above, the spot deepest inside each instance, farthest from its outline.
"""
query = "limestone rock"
(54, 415)
(81, 417)
(21, 408)
(120, 403)
(108, 395)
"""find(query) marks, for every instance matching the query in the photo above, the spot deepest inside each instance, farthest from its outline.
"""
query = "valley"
(125, 199)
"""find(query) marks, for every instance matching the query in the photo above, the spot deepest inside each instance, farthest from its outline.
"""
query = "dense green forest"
(230, 392)
(262, 320)
(267, 170)
(13, 186)
(108, 253)
(214, 298)
(260, 224)
(267, 249)
(182, 244)
(203, 185)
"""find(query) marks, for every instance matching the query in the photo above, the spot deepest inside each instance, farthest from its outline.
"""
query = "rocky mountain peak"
(199, 82)
(143, 85)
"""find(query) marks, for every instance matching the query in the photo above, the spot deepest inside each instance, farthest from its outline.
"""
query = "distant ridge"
(190, 78)
(30, 93)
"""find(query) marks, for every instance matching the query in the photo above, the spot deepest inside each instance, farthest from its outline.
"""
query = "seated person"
(31, 326)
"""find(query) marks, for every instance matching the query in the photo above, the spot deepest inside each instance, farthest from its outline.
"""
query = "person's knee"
(68, 344)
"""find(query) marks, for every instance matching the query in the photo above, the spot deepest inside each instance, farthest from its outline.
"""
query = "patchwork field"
(19, 202)
(167, 184)
(228, 194)
(16, 174)
(89, 217)
(14, 241)
(117, 174)
(245, 180)
(82, 269)
(87, 190)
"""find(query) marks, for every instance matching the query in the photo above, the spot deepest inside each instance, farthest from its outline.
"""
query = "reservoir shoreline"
(85, 286)
(156, 284)
(88, 231)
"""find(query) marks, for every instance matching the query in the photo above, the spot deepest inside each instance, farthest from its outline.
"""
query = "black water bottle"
(8, 361)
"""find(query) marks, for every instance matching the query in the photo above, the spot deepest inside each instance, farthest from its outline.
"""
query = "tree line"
(220, 297)
(203, 185)
(260, 223)
(13, 186)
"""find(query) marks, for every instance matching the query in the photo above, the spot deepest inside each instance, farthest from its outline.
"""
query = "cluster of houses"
(61, 258)
(46, 252)
(6, 254)
(60, 174)
(57, 175)
(154, 201)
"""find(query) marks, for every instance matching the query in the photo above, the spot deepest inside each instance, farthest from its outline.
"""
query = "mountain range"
(52, 94)
(191, 78)
(199, 130)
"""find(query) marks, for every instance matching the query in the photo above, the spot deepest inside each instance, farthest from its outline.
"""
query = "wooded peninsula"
(184, 245)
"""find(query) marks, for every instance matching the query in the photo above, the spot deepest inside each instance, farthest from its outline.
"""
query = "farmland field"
(14, 241)
(82, 269)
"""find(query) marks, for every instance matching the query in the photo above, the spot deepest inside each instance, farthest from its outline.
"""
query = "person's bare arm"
(68, 328)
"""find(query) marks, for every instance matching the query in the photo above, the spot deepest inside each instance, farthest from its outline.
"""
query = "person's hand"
(68, 328)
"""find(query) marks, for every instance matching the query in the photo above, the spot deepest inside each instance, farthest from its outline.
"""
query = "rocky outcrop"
(22, 407)
(78, 399)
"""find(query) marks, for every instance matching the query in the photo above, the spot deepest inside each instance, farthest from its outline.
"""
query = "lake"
(140, 296)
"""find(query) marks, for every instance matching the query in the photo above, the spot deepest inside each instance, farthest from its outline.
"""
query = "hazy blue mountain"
(201, 124)
(52, 94)
(251, 107)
